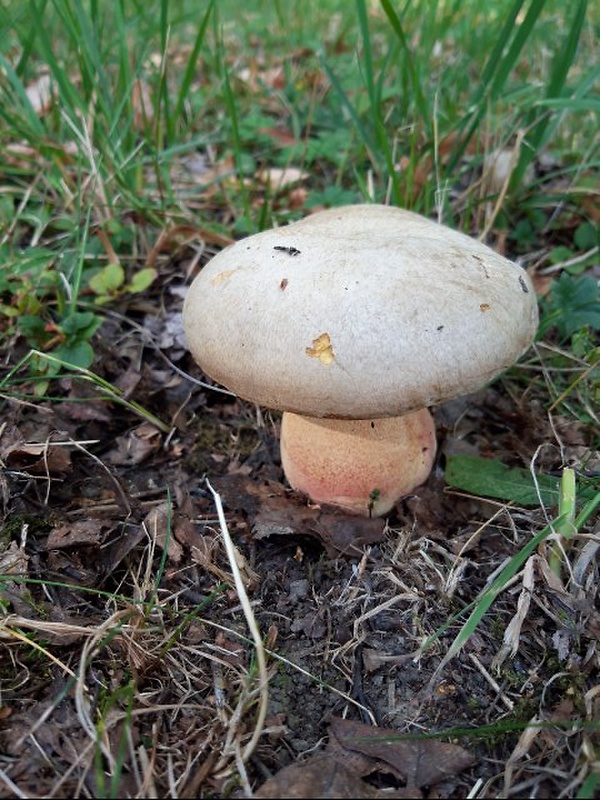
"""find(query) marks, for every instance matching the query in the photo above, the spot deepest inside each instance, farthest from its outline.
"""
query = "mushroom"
(353, 322)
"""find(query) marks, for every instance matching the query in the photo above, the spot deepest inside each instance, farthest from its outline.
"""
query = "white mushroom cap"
(358, 312)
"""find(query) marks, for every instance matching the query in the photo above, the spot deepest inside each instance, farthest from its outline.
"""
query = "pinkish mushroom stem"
(361, 465)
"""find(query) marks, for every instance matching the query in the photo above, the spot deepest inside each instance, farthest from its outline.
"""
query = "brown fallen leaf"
(13, 560)
(136, 446)
(159, 524)
(257, 76)
(38, 458)
(356, 750)
(322, 776)
(271, 512)
(422, 762)
(541, 283)
(177, 237)
(338, 532)
(348, 534)
(75, 534)
(121, 546)
(282, 136)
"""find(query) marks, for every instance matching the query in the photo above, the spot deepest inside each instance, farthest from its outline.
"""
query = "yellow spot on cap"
(321, 349)
(223, 276)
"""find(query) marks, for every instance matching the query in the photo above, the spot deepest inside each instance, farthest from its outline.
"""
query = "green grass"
(388, 105)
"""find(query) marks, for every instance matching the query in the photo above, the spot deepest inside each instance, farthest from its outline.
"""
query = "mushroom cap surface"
(358, 312)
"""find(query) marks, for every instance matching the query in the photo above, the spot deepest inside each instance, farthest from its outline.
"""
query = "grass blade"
(192, 63)
(415, 85)
(489, 594)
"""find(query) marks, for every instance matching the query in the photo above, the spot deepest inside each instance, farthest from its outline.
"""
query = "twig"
(495, 686)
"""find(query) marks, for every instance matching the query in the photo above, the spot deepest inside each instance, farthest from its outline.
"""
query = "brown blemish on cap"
(484, 306)
(322, 349)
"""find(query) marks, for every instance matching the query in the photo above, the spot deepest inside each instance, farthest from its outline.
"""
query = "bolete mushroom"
(353, 322)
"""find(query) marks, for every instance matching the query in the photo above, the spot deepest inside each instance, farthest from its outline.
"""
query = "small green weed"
(109, 283)
(572, 306)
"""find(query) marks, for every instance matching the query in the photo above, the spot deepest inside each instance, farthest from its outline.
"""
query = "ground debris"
(355, 751)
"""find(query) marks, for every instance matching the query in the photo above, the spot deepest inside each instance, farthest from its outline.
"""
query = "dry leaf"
(230, 651)
(23, 155)
(297, 198)
(38, 458)
(346, 533)
(336, 531)
(159, 524)
(282, 136)
(422, 762)
(271, 512)
(512, 633)
(521, 750)
(320, 777)
(178, 237)
(13, 560)
(356, 750)
(85, 532)
(121, 547)
(541, 283)
(279, 179)
(257, 77)
(138, 445)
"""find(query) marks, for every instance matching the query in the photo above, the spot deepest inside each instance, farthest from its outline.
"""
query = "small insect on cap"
(359, 312)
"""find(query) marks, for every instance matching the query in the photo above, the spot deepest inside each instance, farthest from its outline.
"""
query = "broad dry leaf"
(38, 458)
(13, 560)
(282, 136)
(541, 283)
(121, 546)
(356, 750)
(422, 762)
(322, 776)
(136, 446)
(337, 531)
(82, 533)
(178, 237)
(347, 533)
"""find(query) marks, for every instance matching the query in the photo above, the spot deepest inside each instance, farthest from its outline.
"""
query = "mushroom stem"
(363, 466)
